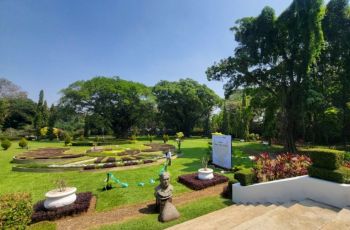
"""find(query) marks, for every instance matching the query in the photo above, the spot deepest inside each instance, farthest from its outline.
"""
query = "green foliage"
(340, 175)
(150, 138)
(245, 176)
(275, 55)
(15, 210)
(83, 143)
(165, 138)
(67, 139)
(327, 159)
(115, 103)
(23, 143)
(6, 144)
(183, 103)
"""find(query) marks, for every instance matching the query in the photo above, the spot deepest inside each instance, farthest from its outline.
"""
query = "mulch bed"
(192, 181)
(47, 153)
(81, 204)
(155, 147)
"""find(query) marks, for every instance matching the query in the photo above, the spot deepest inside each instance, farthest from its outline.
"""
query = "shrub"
(6, 144)
(150, 138)
(15, 210)
(148, 161)
(110, 160)
(109, 165)
(327, 160)
(227, 193)
(89, 167)
(341, 175)
(23, 143)
(67, 139)
(82, 143)
(245, 176)
(283, 166)
(165, 138)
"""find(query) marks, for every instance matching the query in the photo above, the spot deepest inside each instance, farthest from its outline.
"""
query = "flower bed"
(192, 181)
(283, 166)
(81, 204)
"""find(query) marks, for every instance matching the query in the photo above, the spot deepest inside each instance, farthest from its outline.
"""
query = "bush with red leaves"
(110, 159)
(89, 167)
(192, 181)
(81, 204)
(130, 163)
(109, 165)
(98, 160)
(283, 166)
(148, 161)
(347, 164)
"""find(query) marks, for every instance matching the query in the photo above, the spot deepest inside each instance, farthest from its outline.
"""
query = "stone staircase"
(306, 214)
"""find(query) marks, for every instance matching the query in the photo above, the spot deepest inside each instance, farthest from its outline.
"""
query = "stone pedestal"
(57, 199)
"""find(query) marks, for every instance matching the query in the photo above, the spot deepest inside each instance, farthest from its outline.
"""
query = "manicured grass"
(45, 225)
(188, 211)
(39, 183)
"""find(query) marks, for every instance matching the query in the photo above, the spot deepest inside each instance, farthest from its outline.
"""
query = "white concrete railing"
(293, 189)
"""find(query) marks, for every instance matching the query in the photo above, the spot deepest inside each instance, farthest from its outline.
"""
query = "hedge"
(245, 177)
(15, 210)
(227, 193)
(81, 143)
(327, 160)
(341, 175)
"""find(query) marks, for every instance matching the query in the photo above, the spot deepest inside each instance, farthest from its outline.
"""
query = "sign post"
(222, 151)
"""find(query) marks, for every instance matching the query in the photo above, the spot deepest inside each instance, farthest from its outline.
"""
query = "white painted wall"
(293, 189)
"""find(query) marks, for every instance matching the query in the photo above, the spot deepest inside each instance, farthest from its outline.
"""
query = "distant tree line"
(109, 105)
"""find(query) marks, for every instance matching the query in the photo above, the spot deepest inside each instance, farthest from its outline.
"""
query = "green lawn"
(188, 211)
(39, 183)
(193, 150)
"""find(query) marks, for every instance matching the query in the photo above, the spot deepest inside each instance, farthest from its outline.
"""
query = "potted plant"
(61, 196)
(205, 173)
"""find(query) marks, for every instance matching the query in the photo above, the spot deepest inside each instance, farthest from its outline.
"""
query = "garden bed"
(81, 204)
(192, 181)
(45, 153)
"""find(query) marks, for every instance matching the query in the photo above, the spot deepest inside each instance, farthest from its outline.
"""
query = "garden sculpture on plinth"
(164, 194)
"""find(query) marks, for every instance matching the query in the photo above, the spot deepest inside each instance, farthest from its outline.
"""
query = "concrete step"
(258, 221)
(224, 218)
(302, 215)
(340, 222)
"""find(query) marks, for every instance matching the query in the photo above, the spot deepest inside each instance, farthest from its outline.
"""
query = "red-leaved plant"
(283, 166)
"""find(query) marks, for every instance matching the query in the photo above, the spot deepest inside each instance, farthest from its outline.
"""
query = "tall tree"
(276, 55)
(118, 103)
(40, 119)
(51, 122)
(181, 104)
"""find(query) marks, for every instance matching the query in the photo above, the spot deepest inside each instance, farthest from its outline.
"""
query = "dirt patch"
(155, 147)
(47, 153)
(95, 219)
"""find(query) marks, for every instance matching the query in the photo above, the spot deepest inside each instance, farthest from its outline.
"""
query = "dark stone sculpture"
(163, 194)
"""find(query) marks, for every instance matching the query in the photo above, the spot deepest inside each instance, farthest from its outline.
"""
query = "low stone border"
(293, 189)
(192, 181)
(48, 169)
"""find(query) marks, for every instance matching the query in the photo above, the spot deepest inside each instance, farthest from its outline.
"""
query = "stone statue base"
(169, 213)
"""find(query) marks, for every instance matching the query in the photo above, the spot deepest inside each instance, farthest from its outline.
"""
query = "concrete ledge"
(293, 189)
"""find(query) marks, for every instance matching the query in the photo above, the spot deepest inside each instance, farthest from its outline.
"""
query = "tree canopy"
(182, 103)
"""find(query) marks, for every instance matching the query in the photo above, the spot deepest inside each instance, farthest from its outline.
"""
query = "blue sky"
(50, 44)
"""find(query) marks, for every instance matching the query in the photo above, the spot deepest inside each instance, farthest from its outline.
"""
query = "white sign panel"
(222, 151)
